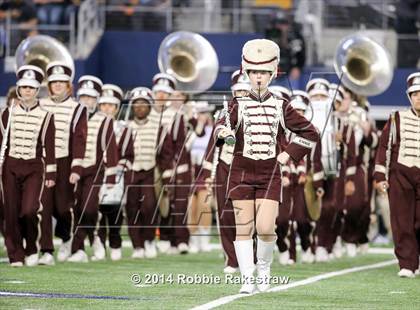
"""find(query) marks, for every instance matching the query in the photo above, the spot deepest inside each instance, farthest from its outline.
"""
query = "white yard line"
(227, 299)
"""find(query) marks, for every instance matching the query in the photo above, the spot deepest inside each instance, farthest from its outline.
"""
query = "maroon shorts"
(254, 179)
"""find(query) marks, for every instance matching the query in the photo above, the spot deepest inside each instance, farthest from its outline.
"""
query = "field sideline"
(100, 285)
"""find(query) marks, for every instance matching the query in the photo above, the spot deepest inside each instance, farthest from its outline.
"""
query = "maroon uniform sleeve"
(380, 160)
(111, 153)
(351, 158)
(79, 132)
(166, 154)
(126, 149)
(197, 127)
(3, 124)
(207, 165)
(315, 164)
(48, 142)
(286, 170)
(306, 134)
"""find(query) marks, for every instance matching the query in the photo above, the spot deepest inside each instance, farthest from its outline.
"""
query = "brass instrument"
(40, 50)
(191, 59)
(365, 64)
(365, 67)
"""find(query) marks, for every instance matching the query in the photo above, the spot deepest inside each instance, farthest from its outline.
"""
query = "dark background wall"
(129, 59)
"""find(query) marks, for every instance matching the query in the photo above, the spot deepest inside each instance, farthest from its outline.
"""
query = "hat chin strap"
(412, 104)
(60, 97)
(26, 102)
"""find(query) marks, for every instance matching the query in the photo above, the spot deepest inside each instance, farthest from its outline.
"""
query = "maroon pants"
(404, 201)
(301, 221)
(365, 217)
(179, 210)
(86, 207)
(23, 182)
(283, 220)
(1, 213)
(354, 219)
(226, 217)
(58, 201)
(329, 224)
(141, 207)
(110, 224)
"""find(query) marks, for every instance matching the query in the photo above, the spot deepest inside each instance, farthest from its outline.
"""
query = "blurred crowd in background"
(274, 18)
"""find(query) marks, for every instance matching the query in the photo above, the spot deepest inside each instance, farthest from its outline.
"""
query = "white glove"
(224, 132)
(283, 158)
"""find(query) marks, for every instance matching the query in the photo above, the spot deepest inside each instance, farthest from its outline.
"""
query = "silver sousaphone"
(192, 60)
(40, 50)
(365, 67)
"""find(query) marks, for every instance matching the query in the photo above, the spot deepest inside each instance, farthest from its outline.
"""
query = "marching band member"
(200, 214)
(111, 199)
(240, 87)
(338, 156)
(283, 224)
(27, 164)
(141, 196)
(300, 219)
(175, 159)
(70, 140)
(164, 85)
(281, 92)
(260, 122)
(101, 151)
(397, 172)
(356, 217)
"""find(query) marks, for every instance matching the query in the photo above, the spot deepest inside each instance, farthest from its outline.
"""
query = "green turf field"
(372, 289)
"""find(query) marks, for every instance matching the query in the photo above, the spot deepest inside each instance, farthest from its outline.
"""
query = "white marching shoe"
(194, 243)
(284, 258)
(182, 248)
(16, 264)
(150, 249)
(204, 238)
(98, 249)
(307, 257)
(321, 255)
(79, 257)
(245, 254)
(46, 259)
(138, 253)
(64, 251)
(163, 246)
(406, 273)
(31, 260)
(338, 249)
(115, 254)
(364, 248)
(230, 270)
(264, 260)
(351, 249)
